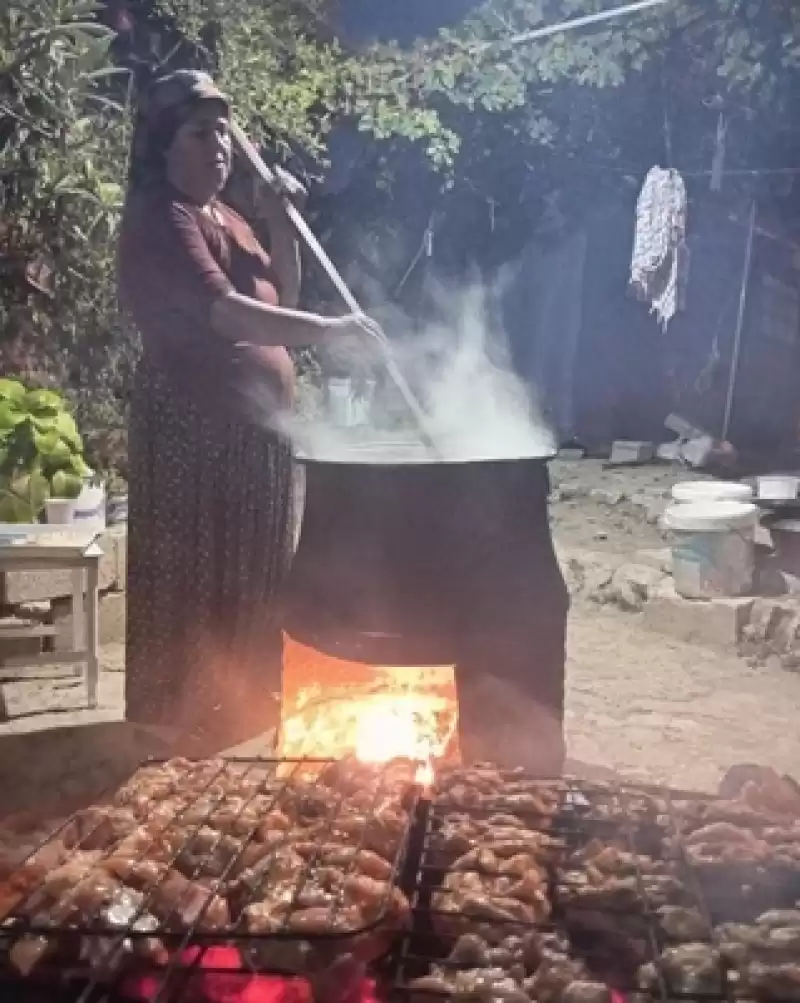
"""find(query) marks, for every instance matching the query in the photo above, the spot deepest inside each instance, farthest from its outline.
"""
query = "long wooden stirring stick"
(268, 177)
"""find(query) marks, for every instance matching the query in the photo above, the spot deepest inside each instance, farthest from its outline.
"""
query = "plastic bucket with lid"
(691, 492)
(712, 548)
(778, 487)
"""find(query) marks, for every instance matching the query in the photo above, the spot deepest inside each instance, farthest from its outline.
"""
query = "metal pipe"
(577, 22)
(737, 337)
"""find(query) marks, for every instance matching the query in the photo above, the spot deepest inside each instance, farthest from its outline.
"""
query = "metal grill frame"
(422, 947)
(103, 983)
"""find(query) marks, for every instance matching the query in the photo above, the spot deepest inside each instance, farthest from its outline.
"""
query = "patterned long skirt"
(210, 539)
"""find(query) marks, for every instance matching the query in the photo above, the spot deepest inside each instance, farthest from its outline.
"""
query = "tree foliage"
(64, 146)
(487, 126)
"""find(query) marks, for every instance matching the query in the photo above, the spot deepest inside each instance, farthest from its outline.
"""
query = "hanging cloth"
(660, 262)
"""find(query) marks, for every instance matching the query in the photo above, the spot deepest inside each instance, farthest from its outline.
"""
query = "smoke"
(458, 365)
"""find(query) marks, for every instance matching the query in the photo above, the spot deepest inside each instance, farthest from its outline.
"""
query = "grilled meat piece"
(683, 924)
(691, 969)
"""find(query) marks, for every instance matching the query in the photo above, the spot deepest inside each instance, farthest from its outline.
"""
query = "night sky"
(401, 20)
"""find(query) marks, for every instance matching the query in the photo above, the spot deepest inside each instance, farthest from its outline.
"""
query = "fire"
(391, 727)
(332, 707)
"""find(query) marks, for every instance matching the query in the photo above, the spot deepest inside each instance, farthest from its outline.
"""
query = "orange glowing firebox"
(334, 707)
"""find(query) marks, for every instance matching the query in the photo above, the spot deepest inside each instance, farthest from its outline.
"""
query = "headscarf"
(162, 110)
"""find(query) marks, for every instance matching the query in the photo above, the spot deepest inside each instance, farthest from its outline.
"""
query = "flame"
(390, 728)
(332, 707)
(424, 776)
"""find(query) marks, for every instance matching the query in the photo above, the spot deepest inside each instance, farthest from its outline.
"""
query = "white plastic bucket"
(691, 492)
(713, 550)
(778, 487)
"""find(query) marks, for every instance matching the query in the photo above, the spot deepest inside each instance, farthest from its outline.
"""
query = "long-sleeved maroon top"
(175, 261)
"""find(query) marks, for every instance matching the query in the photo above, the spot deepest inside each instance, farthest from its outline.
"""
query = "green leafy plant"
(41, 451)
(65, 127)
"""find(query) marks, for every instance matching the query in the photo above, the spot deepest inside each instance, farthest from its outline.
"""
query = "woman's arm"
(240, 318)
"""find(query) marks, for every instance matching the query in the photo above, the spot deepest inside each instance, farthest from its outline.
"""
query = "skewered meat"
(205, 845)
(519, 969)
(691, 969)
(510, 790)
(683, 924)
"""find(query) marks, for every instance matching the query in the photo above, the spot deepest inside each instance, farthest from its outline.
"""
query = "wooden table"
(77, 552)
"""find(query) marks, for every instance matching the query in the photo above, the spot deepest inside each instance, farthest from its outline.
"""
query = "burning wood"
(333, 708)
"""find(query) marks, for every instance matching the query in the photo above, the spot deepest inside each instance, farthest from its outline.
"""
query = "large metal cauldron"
(435, 563)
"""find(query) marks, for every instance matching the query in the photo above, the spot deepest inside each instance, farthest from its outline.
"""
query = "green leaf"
(80, 467)
(52, 448)
(10, 417)
(67, 428)
(44, 403)
(65, 485)
(11, 390)
(13, 509)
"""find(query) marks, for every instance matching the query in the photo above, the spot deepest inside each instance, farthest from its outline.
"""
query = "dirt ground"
(638, 703)
(669, 712)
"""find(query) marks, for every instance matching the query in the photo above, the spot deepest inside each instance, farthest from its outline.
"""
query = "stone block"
(716, 623)
(41, 586)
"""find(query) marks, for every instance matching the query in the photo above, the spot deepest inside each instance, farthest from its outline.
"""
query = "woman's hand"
(353, 342)
(356, 325)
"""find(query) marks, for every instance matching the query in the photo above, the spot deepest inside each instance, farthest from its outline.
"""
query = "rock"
(659, 559)
(655, 510)
(632, 585)
(569, 492)
(786, 632)
(773, 663)
(791, 662)
(763, 620)
(604, 497)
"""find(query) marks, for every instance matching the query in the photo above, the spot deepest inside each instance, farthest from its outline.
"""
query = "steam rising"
(458, 365)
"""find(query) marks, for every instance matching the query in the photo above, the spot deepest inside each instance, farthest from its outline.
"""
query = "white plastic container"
(340, 403)
(59, 511)
(89, 508)
(778, 487)
(713, 550)
(692, 492)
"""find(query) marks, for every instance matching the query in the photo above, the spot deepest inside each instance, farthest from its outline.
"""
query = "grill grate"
(610, 936)
(207, 852)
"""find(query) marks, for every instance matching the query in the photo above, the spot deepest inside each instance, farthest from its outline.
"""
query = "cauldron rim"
(419, 461)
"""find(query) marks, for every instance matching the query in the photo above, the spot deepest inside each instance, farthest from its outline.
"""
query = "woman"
(210, 524)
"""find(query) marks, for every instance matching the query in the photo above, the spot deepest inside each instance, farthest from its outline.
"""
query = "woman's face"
(199, 159)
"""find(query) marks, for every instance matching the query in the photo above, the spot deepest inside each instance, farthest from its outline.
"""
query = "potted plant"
(41, 452)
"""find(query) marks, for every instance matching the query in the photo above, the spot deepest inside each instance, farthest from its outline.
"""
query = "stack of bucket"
(712, 524)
